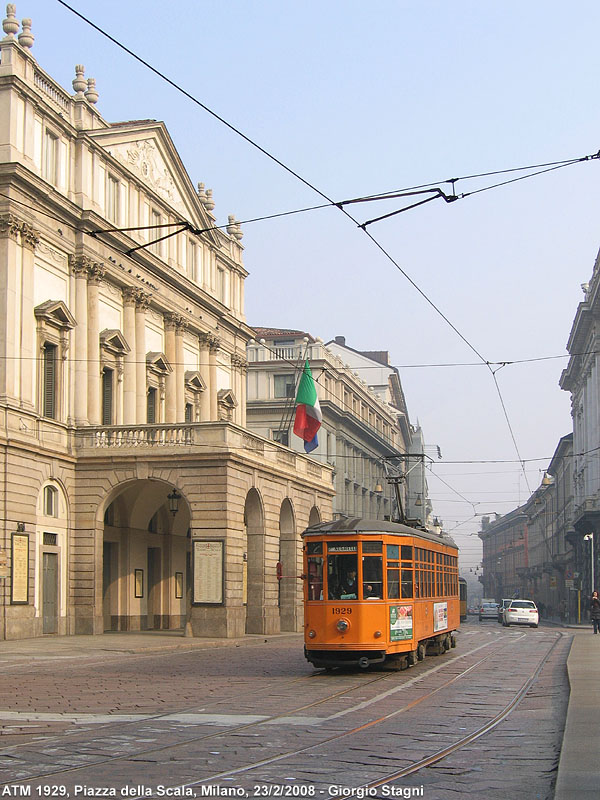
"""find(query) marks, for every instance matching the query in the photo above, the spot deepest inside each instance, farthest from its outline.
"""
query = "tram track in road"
(76, 737)
(148, 754)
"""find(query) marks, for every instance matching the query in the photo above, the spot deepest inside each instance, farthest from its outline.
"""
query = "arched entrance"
(145, 570)
(253, 578)
(314, 517)
(289, 550)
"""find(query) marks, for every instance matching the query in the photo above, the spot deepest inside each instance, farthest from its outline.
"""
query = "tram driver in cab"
(349, 586)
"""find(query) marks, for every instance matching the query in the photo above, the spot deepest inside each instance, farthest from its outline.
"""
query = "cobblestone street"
(254, 713)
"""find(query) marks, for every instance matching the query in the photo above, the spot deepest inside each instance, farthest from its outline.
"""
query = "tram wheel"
(452, 640)
(411, 658)
(421, 651)
(446, 641)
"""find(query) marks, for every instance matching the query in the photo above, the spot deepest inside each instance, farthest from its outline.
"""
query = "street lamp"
(174, 497)
(589, 537)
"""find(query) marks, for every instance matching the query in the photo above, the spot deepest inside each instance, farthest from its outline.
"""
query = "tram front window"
(342, 571)
(372, 577)
(315, 577)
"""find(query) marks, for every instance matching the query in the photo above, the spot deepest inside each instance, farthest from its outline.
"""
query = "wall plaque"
(208, 572)
(19, 588)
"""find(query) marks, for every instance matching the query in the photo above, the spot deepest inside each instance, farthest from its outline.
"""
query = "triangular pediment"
(227, 398)
(146, 150)
(194, 381)
(158, 362)
(56, 313)
(114, 340)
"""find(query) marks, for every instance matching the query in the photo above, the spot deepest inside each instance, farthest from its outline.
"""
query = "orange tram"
(378, 591)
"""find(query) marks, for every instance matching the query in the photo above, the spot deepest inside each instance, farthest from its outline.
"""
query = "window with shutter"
(107, 397)
(49, 391)
(151, 405)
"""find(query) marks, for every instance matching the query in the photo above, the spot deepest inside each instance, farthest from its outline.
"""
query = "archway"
(145, 567)
(314, 517)
(253, 577)
(289, 550)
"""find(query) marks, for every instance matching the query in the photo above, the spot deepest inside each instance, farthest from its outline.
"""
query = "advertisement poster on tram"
(440, 616)
(401, 623)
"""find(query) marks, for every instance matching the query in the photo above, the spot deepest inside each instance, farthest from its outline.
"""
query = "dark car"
(488, 611)
(504, 603)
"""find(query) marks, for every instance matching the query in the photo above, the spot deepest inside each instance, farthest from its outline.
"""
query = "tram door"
(50, 592)
(154, 610)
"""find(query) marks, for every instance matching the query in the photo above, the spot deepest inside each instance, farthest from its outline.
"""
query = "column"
(79, 268)
(243, 392)
(170, 322)
(96, 274)
(129, 372)
(203, 340)
(142, 301)
(29, 239)
(180, 370)
(9, 259)
(214, 345)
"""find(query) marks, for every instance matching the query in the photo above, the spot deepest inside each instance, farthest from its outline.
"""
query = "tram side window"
(407, 580)
(372, 575)
(393, 571)
(342, 576)
(315, 577)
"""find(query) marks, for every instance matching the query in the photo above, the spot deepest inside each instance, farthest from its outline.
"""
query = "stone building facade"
(133, 496)
(360, 429)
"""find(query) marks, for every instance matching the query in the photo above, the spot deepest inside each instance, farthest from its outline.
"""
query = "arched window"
(50, 501)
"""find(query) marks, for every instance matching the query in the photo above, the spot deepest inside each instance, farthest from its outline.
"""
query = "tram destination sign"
(342, 547)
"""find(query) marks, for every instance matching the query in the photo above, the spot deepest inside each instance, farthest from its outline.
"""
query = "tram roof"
(347, 525)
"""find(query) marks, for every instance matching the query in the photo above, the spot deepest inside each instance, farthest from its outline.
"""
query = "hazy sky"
(365, 97)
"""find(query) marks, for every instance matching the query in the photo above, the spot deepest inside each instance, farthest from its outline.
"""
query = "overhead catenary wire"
(309, 185)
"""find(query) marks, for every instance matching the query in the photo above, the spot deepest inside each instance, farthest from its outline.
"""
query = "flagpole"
(288, 410)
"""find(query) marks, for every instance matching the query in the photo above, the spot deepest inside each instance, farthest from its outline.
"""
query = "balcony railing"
(140, 436)
(217, 437)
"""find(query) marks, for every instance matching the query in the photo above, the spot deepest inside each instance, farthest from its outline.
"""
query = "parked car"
(488, 611)
(504, 603)
(521, 612)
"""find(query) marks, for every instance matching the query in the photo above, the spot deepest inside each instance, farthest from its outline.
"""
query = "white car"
(521, 612)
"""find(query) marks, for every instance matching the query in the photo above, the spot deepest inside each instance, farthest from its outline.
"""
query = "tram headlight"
(342, 625)
(312, 634)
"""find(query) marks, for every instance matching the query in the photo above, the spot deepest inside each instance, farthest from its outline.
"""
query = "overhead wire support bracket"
(435, 194)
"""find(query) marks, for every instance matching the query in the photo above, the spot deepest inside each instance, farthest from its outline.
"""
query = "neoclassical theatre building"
(132, 495)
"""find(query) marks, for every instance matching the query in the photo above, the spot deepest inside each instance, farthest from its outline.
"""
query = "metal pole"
(593, 571)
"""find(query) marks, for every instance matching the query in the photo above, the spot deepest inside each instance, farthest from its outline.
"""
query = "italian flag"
(308, 411)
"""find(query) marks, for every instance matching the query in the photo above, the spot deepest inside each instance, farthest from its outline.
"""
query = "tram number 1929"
(341, 610)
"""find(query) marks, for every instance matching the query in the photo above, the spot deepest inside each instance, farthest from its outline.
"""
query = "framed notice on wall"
(139, 582)
(19, 572)
(208, 572)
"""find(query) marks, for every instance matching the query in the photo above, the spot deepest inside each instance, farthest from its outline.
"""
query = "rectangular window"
(112, 199)
(191, 260)
(283, 437)
(284, 385)
(151, 406)
(107, 397)
(49, 380)
(189, 412)
(51, 158)
(155, 232)
(221, 285)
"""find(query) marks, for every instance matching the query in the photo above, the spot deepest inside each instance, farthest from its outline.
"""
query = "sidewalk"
(61, 647)
(579, 766)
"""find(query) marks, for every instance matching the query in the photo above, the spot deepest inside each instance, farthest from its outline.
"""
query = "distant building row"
(548, 549)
